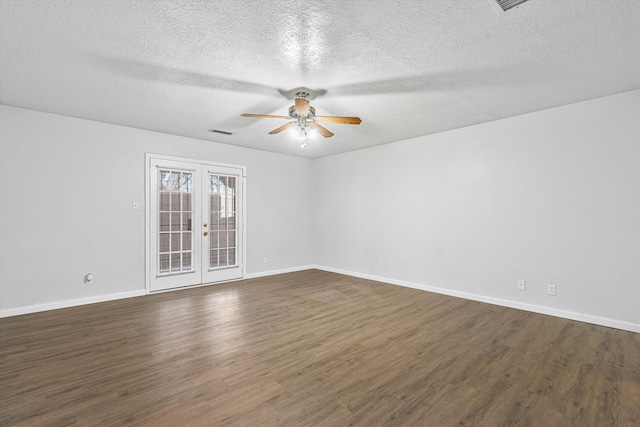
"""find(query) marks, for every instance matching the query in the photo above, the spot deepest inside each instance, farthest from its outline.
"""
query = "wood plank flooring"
(313, 348)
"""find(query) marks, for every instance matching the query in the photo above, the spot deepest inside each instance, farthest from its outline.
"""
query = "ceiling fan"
(304, 116)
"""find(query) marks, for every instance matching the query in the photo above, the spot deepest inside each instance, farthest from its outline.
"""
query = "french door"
(194, 223)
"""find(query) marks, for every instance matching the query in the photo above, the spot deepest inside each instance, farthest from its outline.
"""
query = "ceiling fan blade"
(264, 116)
(281, 128)
(322, 130)
(339, 120)
(302, 106)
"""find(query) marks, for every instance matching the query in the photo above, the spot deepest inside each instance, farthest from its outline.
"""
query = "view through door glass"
(223, 243)
(175, 216)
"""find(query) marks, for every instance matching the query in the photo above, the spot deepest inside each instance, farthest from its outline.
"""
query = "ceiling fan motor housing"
(293, 113)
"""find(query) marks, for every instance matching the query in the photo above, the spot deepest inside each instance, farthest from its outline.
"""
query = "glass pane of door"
(175, 216)
(223, 213)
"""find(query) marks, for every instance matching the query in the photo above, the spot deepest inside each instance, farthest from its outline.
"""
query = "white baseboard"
(69, 303)
(596, 320)
(103, 298)
(281, 271)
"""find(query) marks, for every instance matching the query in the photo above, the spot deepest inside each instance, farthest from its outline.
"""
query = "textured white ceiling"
(406, 67)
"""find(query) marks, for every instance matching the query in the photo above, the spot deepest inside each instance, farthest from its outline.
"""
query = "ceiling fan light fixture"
(303, 134)
(299, 132)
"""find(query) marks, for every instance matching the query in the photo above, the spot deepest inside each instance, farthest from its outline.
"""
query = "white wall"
(552, 197)
(67, 188)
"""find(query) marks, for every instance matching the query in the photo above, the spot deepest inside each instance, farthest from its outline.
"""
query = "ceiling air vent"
(220, 131)
(509, 4)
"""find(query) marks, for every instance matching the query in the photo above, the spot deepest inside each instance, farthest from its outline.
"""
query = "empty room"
(332, 213)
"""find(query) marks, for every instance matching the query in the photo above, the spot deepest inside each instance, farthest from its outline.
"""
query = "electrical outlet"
(381, 264)
(522, 284)
(551, 289)
(265, 260)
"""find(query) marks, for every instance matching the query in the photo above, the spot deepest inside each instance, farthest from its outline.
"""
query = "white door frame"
(149, 258)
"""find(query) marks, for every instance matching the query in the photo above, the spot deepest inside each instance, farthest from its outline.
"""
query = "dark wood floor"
(313, 349)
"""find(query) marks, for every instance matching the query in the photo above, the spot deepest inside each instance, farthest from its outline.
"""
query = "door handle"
(204, 225)
(205, 234)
